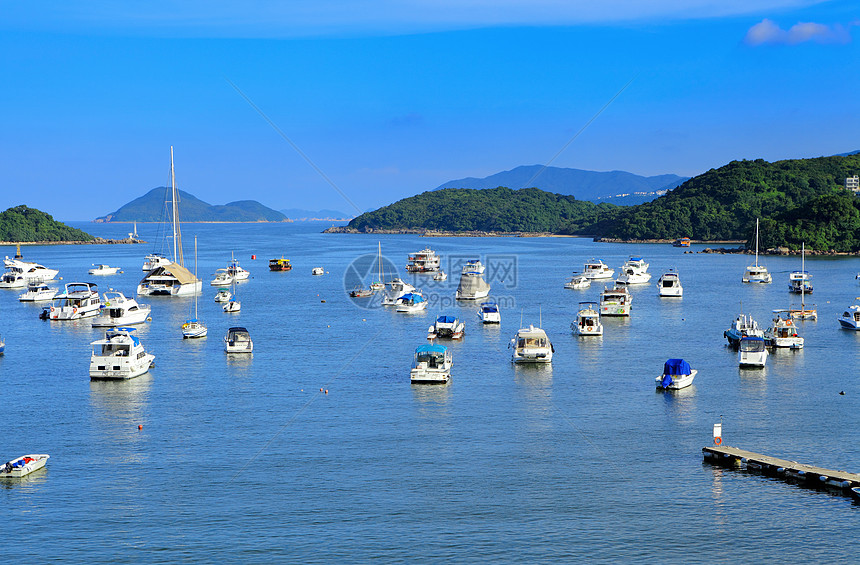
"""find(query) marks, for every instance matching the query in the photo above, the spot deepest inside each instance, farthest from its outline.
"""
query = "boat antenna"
(540, 315)
(521, 317)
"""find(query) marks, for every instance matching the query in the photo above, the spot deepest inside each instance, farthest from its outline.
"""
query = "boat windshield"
(752, 345)
(531, 342)
(433, 359)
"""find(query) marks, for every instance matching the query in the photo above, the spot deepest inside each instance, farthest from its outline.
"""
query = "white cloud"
(768, 32)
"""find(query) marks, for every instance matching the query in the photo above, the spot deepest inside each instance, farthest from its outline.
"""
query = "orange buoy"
(253, 257)
(140, 426)
(326, 391)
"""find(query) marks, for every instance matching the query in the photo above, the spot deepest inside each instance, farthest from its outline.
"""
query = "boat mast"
(756, 241)
(802, 276)
(195, 276)
(177, 235)
(379, 262)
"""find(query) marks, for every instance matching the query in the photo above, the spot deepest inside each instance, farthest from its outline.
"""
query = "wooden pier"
(800, 473)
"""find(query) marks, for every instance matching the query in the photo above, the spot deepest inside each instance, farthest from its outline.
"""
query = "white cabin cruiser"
(677, 374)
(103, 270)
(800, 282)
(424, 261)
(850, 319)
(154, 260)
(531, 345)
(489, 313)
(756, 273)
(446, 327)
(472, 284)
(411, 302)
(237, 272)
(587, 320)
(37, 292)
(21, 273)
(119, 355)
(634, 271)
(23, 466)
(669, 285)
(80, 300)
(577, 282)
(783, 332)
(118, 310)
(742, 326)
(223, 295)
(238, 340)
(222, 278)
(752, 352)
(431, 364)
(615, 301)
(394, 289)
(596, 269)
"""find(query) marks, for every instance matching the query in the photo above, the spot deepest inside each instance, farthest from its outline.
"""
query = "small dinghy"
(23, 466)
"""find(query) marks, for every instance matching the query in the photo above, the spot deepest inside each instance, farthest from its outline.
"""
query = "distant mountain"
(583, 185)
(304, 215)
(151, 207)
(847, 154)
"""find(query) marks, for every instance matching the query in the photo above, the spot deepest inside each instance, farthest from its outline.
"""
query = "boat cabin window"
(432, 359)
(531, 342)
(752, 345)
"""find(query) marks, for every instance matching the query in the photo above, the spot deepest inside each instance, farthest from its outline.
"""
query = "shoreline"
(96, 241)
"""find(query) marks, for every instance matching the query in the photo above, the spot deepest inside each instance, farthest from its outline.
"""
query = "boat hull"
(429, 376)
(17, 471)
(106, 368)
(678, 381)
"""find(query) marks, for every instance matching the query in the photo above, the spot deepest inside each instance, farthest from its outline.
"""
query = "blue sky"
(389, 99)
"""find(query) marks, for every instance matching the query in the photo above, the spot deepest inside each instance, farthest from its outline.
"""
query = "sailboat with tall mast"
(379, 284)
(172, 279)
(800, 282)
(756, 273)
(194, 328)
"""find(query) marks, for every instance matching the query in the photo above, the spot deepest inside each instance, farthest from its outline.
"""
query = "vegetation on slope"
(28, 224)
(151, 207)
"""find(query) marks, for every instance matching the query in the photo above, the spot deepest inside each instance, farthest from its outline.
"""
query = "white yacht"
(587, 320)
(800, 282)
(850, 319)
(117, 310)
(238, 340)
(669, 285)
(172, 279)
(596, 269)
(379, 284)
(424, 261)
(222, 278)
(317, 271)
(411, 302)
(235, 271)
(223, 295)
(756, 273)
(431, 364)
(577, 282)
(37, 292)
(472, 284)
(21, 273)
(783, 332)
(446, 327)
(394, 289)
(119, 355)
(634, 271)
(103, 270)
(531, 345)
(752, 352)
(489, 313)
(677, 374)
(13, 279)
(154, 260)
(615, 301)
(742, 326)
(80, 300)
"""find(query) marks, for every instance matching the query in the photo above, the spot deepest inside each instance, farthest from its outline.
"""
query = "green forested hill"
(799, 200)
(28, 224)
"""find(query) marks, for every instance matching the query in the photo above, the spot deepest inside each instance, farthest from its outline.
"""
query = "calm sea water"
(244, 459)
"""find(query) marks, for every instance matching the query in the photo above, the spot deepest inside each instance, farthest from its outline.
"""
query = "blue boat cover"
(667, 380)
(676, 367)
(431, 349)
(636, 258)
(752, 338)
(413, 297)
(446, 319)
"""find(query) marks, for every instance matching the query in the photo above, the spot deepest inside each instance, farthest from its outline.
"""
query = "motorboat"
(440, 276)
(223, 295)
(171, 278)
(394, 289)
(472, 284)
(531, 345)
(222, 278)
(23, 466)
(752, 351)
(596, 269)
(615, 301)
(634, 271)
(489, 313)
(783, 332)
(119, 355)
(37, 292)
(280, 264)
(317, 271)
(742, 326)
(103, 270)
(799, 282)
(446, 327)
(756, 273)
(411, 302)
(154, 260)
(238, 340)
(431, 365)
(669, 285)
(424, 261)
(577, 282)
(2, 345)
(676, 374)
(682, 242)
(118, 310)
(80, 300)
(21, 273)
(359, 292)
(850, 318)
(587, 320)
(237, 272)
